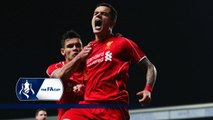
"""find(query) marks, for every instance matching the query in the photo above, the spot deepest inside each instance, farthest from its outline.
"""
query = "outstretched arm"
(151, 74)
(68, 69)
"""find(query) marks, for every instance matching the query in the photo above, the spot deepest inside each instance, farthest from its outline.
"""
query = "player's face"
(42, 115)
(101, 21)
(71, 48)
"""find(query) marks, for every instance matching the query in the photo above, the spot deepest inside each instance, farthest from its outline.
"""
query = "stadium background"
(175, 35)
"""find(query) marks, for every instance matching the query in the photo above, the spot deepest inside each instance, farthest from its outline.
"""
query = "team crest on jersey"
(108, 44)
(33, 89)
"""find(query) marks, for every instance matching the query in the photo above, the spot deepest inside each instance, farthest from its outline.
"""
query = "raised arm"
(68, 69)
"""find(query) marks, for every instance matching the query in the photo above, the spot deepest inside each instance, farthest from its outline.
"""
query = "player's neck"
(103, 37)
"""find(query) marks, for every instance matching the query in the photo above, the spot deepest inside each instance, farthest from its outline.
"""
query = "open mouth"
(98, 23)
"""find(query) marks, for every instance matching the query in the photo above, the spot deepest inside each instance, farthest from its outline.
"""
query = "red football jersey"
(68, 97)
(107, 69)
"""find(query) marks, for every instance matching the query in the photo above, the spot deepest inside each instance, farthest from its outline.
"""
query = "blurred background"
(175, 35)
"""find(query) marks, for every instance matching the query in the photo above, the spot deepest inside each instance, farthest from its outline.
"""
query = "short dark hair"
(69, 34)
(40, 109)
(113, 11)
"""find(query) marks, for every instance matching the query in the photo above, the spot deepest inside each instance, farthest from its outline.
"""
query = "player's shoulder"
(122, 40)
(118, 35)
(121, 37)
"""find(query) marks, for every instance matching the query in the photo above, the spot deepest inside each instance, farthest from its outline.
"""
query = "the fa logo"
(26, 88)
(34, 89)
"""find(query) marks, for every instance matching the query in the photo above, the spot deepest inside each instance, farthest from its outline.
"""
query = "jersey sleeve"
(133, 52)
(53, 68)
